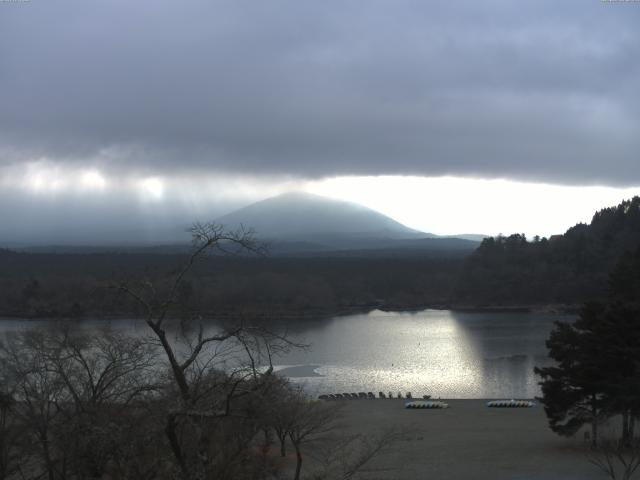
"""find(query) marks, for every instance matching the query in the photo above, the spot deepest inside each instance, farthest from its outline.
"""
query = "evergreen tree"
(574, 389)
(597, 371)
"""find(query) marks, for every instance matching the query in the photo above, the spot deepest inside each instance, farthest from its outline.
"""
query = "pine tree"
(597, 370)
(574, 389)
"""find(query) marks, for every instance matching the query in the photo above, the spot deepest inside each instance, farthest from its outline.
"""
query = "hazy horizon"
(174, 229)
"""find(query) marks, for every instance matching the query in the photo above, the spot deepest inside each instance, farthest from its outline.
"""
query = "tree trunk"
(43, 437)
(178, 373)
(267, 441)
(594, 422)
(282, 436)
(49, 462)
(172, 436)
(625, 428)
(298, 461)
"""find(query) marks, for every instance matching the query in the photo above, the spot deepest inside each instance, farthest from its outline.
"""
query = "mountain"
(307, 223)
(297, 216)
(313, 218)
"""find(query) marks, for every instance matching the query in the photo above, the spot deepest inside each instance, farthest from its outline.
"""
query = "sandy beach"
(470, 441)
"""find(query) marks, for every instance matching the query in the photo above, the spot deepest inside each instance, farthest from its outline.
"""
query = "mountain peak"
(305, 216)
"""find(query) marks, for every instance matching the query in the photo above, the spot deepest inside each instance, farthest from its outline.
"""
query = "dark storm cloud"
(541, 90)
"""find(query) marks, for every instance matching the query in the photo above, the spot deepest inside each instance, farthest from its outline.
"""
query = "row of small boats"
(425, 402)
(511, 404)
(348, 396)
(365, 396)
(419, 404)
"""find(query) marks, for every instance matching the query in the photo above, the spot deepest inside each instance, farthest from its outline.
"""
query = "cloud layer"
(543, 90)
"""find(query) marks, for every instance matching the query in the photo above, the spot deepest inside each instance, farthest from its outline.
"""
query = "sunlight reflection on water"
(441, 353)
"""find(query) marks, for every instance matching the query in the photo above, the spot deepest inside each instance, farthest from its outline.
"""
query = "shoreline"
(311, 314)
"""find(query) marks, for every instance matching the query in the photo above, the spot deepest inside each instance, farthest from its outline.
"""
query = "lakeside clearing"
(469, 441)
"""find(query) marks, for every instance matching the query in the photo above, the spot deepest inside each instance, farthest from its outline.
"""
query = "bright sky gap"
(440, 205)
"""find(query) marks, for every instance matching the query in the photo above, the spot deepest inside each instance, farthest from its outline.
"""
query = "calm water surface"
(437, 352)
(442, 353)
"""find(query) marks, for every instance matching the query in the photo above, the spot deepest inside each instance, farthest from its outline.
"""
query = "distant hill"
(474, 237)
(303, 223)
(304, 216)
(567, 268)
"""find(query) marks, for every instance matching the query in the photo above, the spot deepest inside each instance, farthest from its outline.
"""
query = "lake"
(441, 353)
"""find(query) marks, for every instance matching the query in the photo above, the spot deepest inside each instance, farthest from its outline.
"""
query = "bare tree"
(346, 456)
(215, 371)
(281, 420)
(308, 421)
(11, 436)
(617, 459)
(158, 305)
(107, 375)
(73, 394)
(40, 394)
(106, 367)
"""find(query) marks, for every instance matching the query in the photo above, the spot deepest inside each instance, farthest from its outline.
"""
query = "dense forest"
(46, 285)
(564, 269)
(503, 271)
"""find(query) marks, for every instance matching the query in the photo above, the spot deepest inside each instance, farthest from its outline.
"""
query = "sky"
(122, 120)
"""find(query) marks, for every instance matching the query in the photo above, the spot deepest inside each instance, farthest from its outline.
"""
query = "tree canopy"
(597, 369)
(563, 269)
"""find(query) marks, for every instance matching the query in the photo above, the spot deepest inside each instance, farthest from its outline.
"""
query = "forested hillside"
(73, 285)
(563, 269)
